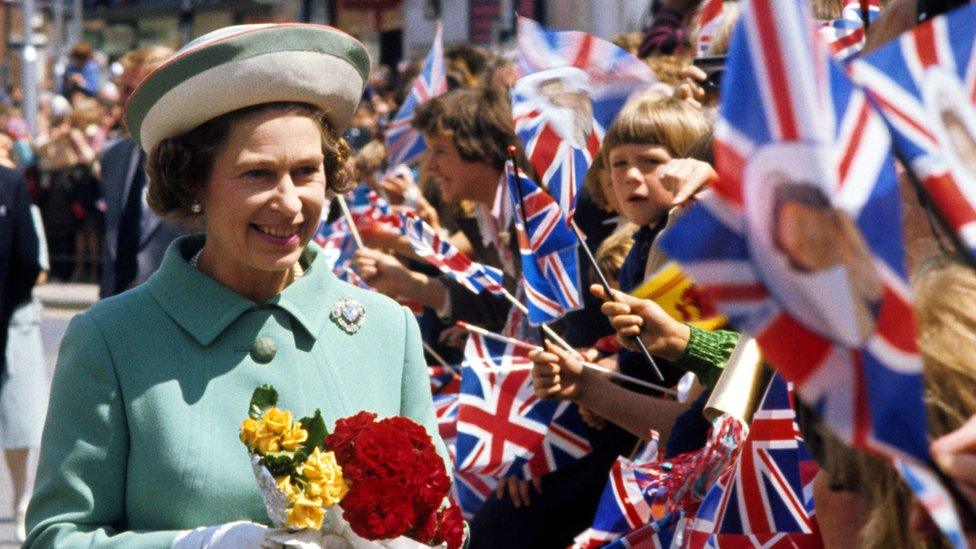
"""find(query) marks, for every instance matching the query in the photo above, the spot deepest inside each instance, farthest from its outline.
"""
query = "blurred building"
(391, 29)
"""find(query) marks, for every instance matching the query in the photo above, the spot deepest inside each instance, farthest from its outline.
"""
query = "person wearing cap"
(140, 447)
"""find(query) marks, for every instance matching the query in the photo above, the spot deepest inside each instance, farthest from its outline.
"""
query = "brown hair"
(478, 121)
(180, 167)
(671, 123)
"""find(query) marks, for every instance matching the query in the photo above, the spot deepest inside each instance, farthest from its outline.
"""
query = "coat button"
(263, 350)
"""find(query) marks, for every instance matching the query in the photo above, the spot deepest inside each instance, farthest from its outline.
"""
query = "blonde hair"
(612, 251)
(671, 123)
(945, 301)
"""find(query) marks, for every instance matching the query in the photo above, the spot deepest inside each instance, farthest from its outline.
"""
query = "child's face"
(635, 175)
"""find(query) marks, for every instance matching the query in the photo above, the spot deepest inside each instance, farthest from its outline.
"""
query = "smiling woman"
(141, 447)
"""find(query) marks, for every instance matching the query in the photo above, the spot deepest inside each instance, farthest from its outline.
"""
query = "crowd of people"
(109, 205)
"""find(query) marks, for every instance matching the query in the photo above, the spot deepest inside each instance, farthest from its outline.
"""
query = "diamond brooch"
(348, 314)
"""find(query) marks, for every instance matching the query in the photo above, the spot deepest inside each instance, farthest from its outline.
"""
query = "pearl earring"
(195, 207)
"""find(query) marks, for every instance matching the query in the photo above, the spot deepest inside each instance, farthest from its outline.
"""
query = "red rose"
(451, 528)
(428, 529)
(431, 488)
(419, 437)
(376, 509)
(346, 431)
(383, 452)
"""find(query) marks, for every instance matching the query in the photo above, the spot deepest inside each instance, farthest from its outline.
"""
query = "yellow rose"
(333, 493)
(249, 432)
(267, 443)
(305, 514)
(313, 491)
(294, 438)
(322, 471)
(277, 421)
(286, 487)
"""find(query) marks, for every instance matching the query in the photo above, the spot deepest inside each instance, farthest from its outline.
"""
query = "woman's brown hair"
(180, 167)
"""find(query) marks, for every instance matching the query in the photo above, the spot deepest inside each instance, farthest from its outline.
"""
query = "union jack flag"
(628, 501)
(664, 533)
(841, 327)
(428, 244)
(924, 84)
(572, 88)
(547, 245)
(850, 348)
(443, 380)
(709, 18)
(403, 142)
(762, 495)
(471, 490)
(502, 425)
(845, 36)
(338, 247)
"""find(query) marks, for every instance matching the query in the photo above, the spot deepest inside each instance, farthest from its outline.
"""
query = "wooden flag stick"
(606, 289)
(348, 215)
(545, 329)
(593, 366)
(438, 358)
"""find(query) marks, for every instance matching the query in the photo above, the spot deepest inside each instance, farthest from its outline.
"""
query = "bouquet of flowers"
(369, 480)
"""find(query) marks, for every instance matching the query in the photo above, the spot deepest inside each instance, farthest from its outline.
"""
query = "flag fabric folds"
(502, 426)
(923, 84)
(762, 495)
(429, 245)
(840, 325)
(801, 241)
(845, 36)
(573, 85)
(547, 245)
(710, 16)
(404, 144)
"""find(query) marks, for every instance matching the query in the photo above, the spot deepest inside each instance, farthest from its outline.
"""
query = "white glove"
(223, 536)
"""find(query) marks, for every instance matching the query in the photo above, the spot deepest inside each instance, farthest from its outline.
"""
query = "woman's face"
(266, 193)
(635, 171)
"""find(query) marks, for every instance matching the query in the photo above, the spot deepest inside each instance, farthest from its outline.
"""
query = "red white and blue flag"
(502, 425)
(628, 500)
(429, 245)
(404, 143)
(924, 84)
(801, 243)
(548, 248)
(573, 85)
(761, 496)
(710, 17)
(845, 36)
(338, 247)
(800, 153)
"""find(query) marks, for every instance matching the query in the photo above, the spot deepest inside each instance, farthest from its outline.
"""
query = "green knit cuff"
(707, 353)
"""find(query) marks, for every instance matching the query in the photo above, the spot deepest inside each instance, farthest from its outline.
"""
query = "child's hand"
(634, 317)
(556, 373)
(686, 177)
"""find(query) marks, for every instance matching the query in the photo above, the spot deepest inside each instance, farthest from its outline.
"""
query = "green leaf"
(317, 432)
(263, 399)
(279, 464)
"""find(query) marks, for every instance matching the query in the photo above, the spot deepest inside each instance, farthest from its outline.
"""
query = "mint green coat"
(151, 386)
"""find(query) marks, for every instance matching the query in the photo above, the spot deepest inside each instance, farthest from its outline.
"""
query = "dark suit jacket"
(119, 164)
(19, 251)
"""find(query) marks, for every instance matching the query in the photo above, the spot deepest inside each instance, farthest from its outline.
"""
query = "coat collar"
(205, 308)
